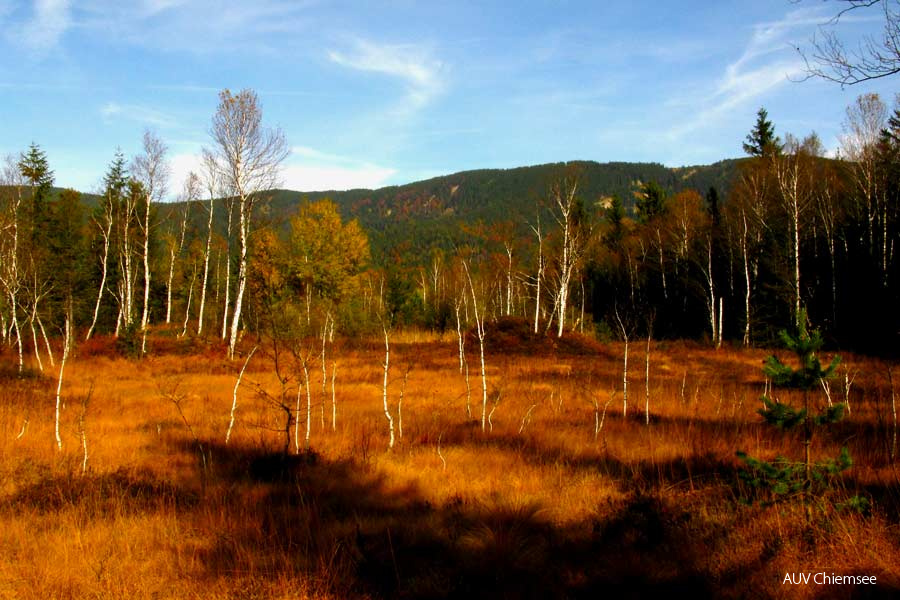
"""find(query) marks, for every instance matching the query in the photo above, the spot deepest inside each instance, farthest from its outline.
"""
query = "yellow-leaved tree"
(327, 255)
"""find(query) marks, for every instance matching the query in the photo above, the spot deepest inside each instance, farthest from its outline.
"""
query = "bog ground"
(560, 496)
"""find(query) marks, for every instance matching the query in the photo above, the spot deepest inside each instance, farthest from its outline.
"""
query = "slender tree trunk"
(308, 405)
(333, 397)
(509, 255)
(245, 209)
(226, 304)
(104, 266)
(145, 314)
(206, 267)
(237, 384)
(387, 363)
(459, 334)
(187, 310)
(169, 284)
(662, 268)
(44, 336)
(37, 349)
(16, 328)
(67, 340)
(647, 379)
(746, 258)
(540, 274)
(795, 218)
(479, 325)
(624, 366)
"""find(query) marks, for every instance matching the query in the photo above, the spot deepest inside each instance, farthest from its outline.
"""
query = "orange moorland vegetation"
(539, 505)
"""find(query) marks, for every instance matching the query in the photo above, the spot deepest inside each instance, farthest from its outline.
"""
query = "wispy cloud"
(197, 26)
(48, 23)
(136, 112)
(768, 61)
(422, 74)
(151, 8)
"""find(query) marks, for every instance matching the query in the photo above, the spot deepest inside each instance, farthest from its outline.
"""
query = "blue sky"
(378, 93)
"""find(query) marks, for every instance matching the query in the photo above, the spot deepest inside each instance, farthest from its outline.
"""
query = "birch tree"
(567, 211)
(747, 218)
(247, 158)
(212, 188)
(866, 119)
(793, 175)
(104, 223)
(539, 275)
(10, 275)
(152, 170)
(479, 328)
(175, 243)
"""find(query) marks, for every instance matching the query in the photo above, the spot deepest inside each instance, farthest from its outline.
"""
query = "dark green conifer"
(761, 141)
(782, 476)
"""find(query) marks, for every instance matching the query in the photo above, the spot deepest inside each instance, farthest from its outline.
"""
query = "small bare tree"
(567, 212)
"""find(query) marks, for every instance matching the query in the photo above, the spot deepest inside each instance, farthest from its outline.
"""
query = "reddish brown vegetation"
(537, 507)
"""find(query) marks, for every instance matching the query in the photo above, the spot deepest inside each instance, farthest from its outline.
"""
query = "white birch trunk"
(106, 234)
(384, 389)
(206, 267)
(333, 397)
(479, 326)
(237, 384)
(67, 340)
(242, 275)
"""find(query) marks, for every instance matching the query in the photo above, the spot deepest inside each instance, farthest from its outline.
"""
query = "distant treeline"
(729, 252)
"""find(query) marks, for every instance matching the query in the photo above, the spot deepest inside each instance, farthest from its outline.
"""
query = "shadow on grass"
(344, 527)
(378, 540)
(121, 491)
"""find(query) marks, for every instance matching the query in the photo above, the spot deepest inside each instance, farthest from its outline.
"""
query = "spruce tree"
(36, 170)
(783, 477)
(651, 201)
(761, 141)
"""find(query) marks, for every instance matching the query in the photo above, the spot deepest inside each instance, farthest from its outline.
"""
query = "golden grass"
(536, 507)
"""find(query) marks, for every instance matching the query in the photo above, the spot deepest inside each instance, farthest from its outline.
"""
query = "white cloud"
(310, 170)
(412, 64)
(136, 112)
(181, 165)
(306, 170)
(47, 25)
(317, 155)
(310, 178)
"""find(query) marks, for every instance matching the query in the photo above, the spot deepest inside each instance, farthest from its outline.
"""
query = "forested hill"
(404, 220)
